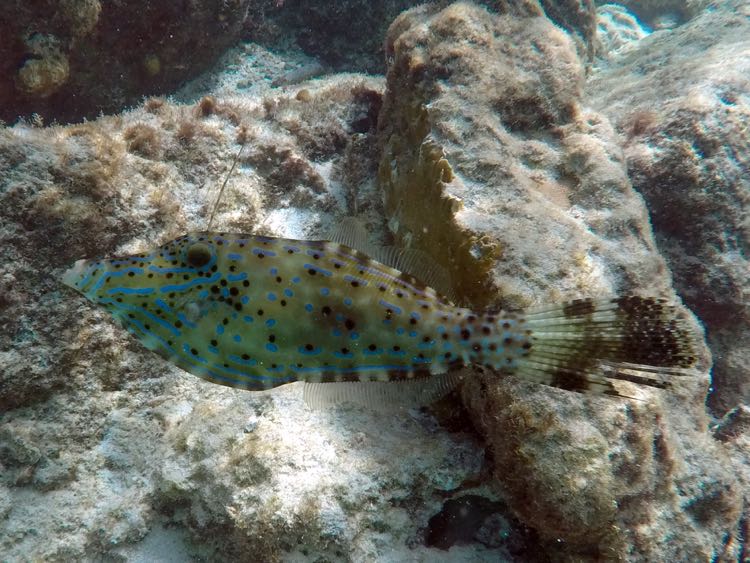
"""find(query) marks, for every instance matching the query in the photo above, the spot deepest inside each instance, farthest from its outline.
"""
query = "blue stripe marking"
(400, 331)
(270, 323)
(418, 360)
(396, 353)
(244, 300)
(234, 256)
(342, 355)
(351, 278)
(336, 332)
(288, 292)
(238, 360)
(140, 311)
(271, 296)
(163, 305)
(213, 349)
(203, 294)
(131, 290)
(412, 333)
(447, 346)
(106, 275)
(278, 369)
(247, 319)
(306, 352)
(185, 320)
(261, 238)
(237, 338)
(197, 281)
(415, 315)
(186, 349)
(237, 277)
(219, 329)
(395, 308)
(426, 345)
(347, 302)
(313, 252)
(225, 292)
(273, 271)
(308, 307)
(324, 291)
(292, 248)
(353, 335)
(263, 251)
(296, 279)
(375, 352)
(136, 323)
(318, 269)
(272, 347)
(362, 368)
(183, 270)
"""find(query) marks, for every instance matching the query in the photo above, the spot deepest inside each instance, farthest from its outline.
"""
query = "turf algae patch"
(413, 173)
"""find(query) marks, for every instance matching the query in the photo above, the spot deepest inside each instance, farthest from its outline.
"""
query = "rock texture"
(680, 102)
(76, 58)
(485, 116)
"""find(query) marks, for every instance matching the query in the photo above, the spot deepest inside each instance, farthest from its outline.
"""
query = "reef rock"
(484, 116)
(680, 102)
(72, 59)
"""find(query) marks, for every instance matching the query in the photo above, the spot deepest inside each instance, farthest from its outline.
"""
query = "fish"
(255, 312)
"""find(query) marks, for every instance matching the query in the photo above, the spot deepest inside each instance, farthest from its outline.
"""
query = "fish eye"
(198, 255)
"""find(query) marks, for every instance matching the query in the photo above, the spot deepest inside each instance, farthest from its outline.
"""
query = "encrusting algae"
(256, 312)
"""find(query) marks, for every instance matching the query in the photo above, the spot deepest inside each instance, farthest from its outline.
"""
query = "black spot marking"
(214, 343)
(326, 310)
(272, 338)
(309, 347)
(259, 312)
(234, 291)
(465, 334)
(349, 324)
(311, 272)
(372, 347)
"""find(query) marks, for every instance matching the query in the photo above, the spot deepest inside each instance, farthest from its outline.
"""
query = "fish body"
(256, 312)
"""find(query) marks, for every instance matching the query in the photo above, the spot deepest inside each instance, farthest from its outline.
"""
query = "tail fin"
(588, 346)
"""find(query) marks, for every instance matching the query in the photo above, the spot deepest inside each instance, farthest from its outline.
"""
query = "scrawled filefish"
(256, 312)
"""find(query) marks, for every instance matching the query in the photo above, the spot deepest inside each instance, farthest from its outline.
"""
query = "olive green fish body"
(256, 312)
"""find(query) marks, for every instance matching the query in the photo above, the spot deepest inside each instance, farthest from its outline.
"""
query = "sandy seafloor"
(588, 152)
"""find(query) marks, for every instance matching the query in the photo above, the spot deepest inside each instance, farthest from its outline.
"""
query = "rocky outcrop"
(485, 118)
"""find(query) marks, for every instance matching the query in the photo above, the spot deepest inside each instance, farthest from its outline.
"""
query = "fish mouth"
(74, 276)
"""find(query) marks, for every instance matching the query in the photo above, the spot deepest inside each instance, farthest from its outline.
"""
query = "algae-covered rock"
(498, 101)
(684, 124)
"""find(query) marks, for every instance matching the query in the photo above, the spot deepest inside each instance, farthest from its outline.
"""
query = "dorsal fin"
(382, 395)
(352, 233)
